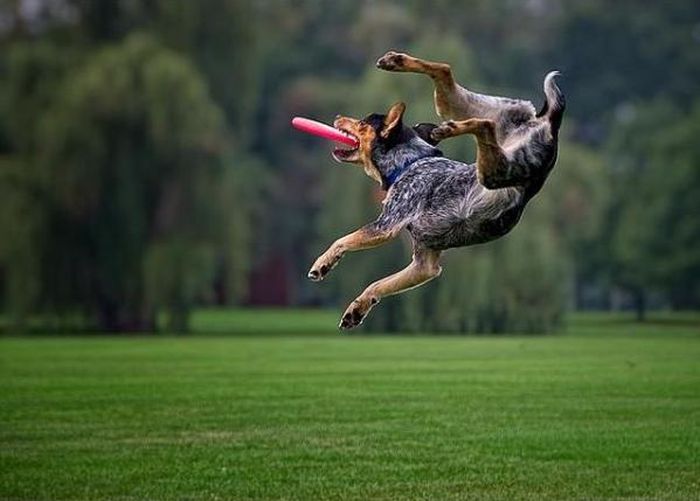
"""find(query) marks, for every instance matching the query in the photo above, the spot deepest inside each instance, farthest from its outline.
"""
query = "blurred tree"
(219, 36)
(222, 39)
(656, 231)
(123, 172)
(617, 53)
(258, 64)
(576, 198)
(31, 71)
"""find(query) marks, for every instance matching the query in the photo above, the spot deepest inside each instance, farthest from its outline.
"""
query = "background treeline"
(147, 165)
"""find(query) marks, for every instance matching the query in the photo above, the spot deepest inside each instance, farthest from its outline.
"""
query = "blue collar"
(397, 172)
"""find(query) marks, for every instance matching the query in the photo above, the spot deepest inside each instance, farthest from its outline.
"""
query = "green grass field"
(608, 410)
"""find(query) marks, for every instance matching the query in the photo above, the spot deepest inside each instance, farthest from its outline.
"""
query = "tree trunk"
(112, 318)
(640, 304)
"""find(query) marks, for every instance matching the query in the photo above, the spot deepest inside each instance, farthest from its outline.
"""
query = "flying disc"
(322, 130)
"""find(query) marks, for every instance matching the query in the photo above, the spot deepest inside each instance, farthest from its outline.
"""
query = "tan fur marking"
(357, 240)
(424, 267)
(440, 73)
(490, 157)
(365, 134)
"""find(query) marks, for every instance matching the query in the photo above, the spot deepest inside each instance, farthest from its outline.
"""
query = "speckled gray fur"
(442, 205)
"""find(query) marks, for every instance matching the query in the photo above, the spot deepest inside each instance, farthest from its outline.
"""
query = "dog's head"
(378, 134)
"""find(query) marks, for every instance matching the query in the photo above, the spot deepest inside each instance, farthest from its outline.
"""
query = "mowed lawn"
(609, 409)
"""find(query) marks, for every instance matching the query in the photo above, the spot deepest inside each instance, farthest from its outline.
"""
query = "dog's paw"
(391, 61)
(356, 313)
(443, 131)
(323, 265)
(318, 272)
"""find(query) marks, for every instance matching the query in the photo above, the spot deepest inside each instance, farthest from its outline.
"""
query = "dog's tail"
(554, 104)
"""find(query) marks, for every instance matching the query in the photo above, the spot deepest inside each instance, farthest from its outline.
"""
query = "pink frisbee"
(322, 130)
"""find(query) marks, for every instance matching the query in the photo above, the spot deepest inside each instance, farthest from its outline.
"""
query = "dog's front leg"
(424, 267)
(365, 238)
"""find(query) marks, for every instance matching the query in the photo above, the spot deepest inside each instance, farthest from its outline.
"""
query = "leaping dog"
(443, 203)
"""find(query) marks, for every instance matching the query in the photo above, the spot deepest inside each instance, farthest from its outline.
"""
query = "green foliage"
(656, 240)
(618, 53)
(19, 243)
(127, 158)
(146, 157)
(220, 37)
(176, 274)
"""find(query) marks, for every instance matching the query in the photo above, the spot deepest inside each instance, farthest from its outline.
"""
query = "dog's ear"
(393, 118)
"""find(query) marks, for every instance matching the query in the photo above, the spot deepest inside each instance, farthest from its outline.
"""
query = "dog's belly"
(448, 233)
(450, 208)
(463, 212)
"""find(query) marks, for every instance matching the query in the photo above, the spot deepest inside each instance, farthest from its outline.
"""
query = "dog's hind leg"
(496, 168)
(424, 267)
(365, 238)
(447, 91)
(452, 101)
(440, 73)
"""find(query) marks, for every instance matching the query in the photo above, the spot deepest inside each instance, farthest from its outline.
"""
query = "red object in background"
(322, 130)
(269, 283)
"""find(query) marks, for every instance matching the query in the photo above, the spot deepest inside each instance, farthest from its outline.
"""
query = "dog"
(443, 203)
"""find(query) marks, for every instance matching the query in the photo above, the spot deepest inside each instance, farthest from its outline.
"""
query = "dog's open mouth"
(346, 153)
